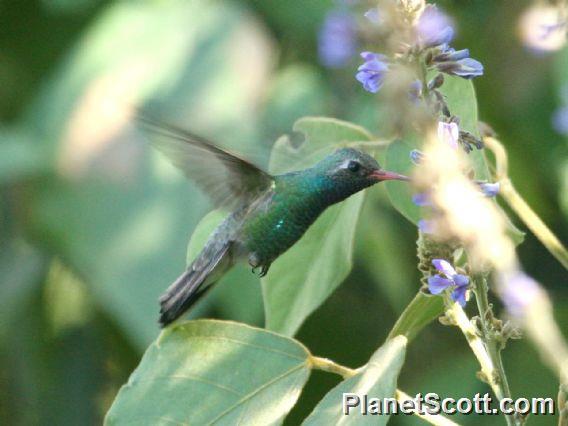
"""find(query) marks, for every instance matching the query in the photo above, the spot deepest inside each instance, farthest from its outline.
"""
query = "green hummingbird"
(268, 213)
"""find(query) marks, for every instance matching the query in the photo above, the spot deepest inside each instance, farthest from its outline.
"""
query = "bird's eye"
(353, 166)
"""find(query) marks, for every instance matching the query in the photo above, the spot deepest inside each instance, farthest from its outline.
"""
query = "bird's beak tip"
(381, 175)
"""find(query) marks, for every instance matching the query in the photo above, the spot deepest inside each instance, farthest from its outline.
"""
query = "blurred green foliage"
(94, 225)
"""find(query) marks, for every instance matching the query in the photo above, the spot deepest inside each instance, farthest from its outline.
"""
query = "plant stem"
(492, 344)
(330, 366)
(459, 318)
(534, 223)
(520, 206)
(488, 356)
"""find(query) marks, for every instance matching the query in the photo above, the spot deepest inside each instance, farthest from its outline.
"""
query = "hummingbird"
(268, 213)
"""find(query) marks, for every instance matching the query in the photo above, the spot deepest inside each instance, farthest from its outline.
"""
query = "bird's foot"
(256, 262)
(263, 270)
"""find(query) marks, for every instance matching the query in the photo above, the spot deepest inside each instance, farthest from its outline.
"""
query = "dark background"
(94, 225)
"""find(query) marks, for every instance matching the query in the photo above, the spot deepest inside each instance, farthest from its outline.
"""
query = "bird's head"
(356, 169)
(345, 172)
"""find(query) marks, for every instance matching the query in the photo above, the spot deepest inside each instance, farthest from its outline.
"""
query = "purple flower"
(425, 226)
(490, 189)
(448, 278)
(560, 120)
(337, 39)
(434, 28)
(372, 73)
(449, 133)
(422, 199)
(416, 156)
(467, 68)
(518, 291)
(451, 54)
(414, 91)
(458, 62)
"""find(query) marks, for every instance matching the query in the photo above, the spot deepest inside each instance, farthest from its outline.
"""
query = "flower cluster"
(448, 278)
(422, 199)
(433, 34)
(434, 30)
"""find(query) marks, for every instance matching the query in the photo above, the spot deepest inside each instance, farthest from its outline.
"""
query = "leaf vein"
(255, 392)
(228, 339)
(190, 377)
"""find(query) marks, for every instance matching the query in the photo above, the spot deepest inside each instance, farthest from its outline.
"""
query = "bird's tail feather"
(188, 288)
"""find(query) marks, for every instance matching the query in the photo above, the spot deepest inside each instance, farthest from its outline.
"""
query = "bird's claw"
(263, 270)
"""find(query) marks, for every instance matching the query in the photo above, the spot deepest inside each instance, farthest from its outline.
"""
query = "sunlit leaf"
(377, 379)
(302, 278)
(205, 371)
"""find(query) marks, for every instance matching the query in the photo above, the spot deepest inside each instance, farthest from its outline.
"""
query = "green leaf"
(462, 101)
(420, 312)
(213, 372)
(303, 277)
(400, 193)
(382, 254)
(377, 379)
(321, 136)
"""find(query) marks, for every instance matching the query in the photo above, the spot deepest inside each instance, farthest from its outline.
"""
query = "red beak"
(381, 175)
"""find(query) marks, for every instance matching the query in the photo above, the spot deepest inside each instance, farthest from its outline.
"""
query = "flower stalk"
(493, 340)
(330, 366)
(456, 315)
(520, 206)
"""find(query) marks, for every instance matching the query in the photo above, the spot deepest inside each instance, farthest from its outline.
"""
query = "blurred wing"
(224, 177)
